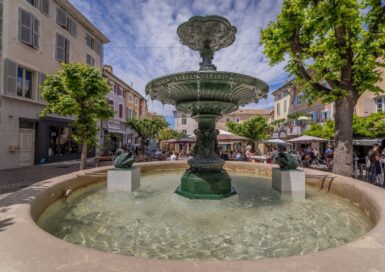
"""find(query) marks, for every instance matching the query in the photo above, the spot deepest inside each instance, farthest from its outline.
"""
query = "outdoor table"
(258, 158)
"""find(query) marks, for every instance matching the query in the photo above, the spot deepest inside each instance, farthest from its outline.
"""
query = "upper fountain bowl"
(207, 32)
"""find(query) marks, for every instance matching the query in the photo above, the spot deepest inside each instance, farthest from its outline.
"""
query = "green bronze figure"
(287, 161)
(123, 159)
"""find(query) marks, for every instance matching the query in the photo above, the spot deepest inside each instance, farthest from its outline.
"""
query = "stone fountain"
(207, 94)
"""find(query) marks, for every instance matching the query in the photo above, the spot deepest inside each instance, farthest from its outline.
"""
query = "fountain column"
(206, 179)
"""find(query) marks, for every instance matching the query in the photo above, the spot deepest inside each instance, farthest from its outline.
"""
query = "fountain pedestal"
(123, 180)
(206, 178)
(289, 181)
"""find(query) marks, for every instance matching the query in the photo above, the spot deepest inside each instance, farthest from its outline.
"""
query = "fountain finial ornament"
(206, 94)
(207, 34)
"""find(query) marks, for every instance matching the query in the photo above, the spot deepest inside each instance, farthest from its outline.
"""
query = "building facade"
(369, 102)
(290, 104)
(127, 103)
(37, 36)
(184, 123)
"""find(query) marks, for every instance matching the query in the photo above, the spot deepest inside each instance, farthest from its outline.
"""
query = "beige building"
(36, 37)
(289, 104)
(369, 102)
(184, 123)
(282, 100)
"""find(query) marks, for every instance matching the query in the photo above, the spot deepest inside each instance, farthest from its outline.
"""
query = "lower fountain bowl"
(210, 186)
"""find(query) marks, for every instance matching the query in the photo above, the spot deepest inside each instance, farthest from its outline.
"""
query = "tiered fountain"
(207, 94)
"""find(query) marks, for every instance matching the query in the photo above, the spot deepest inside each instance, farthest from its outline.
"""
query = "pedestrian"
(374, 164)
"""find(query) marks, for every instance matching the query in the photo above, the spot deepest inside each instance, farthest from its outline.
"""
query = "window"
(184, 121)
(28, 29)
(42, 5)
(62, 48)
(120, 111)
(184, 131)
(278, 109)
(130, 97)
(136, 101)
(327, 115)
(66, 22)
(129, 113)
(227, 120)
(90, 60)
(111, 103)
(380, 104)
(61, 141)
(94, 44)
(299, 99)
(24, 82)
(314, 116)
(285, 106)
(238, 119)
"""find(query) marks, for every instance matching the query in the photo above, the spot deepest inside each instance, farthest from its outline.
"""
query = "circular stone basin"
(153, 222)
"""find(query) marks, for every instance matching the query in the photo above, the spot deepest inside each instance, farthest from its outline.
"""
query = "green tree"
(255, 128)
(372, 126)
(325, 131)
(78, 91)
(333, 47)
(169, 133)
(148, 128)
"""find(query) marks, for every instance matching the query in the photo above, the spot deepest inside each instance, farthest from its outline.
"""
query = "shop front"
(55, 142)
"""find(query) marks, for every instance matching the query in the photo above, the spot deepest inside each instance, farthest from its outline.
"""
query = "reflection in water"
(154, 222)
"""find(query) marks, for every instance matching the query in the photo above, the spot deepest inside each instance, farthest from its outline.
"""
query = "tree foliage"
(372, 126)
(148, 128)
(328, 41)
(255, 128)
(169, 133)
(78, 91)
(334, 48)
(325, 131)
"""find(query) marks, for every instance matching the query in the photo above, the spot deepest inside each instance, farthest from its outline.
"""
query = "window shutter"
(73, 27)
(44, 7)
(10, 74)
(36, 35)
(25, 26)
(41, 80)
(61, 17)
(98, 47)
(60, 48)
(88, 40)
(67, 51)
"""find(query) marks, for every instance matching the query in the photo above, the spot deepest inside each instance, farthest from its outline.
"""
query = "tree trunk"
(83, 158)
(343, 139)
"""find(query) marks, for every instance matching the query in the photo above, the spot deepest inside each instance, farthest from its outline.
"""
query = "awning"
(307, 139)
(275, 142)
(367, 142)
(225, 136)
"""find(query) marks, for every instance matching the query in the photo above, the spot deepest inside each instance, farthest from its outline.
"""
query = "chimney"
(108, 68)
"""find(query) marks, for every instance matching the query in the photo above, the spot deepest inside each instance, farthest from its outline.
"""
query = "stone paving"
(12, 180)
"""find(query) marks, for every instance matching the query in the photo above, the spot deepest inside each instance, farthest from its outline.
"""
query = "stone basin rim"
(36, 250)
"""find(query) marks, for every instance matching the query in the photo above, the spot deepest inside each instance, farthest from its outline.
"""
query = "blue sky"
(144, 43)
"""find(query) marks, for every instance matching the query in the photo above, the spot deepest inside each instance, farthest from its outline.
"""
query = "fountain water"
(207, 99)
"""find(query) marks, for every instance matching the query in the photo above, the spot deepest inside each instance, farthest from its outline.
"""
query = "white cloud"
(144, 43)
